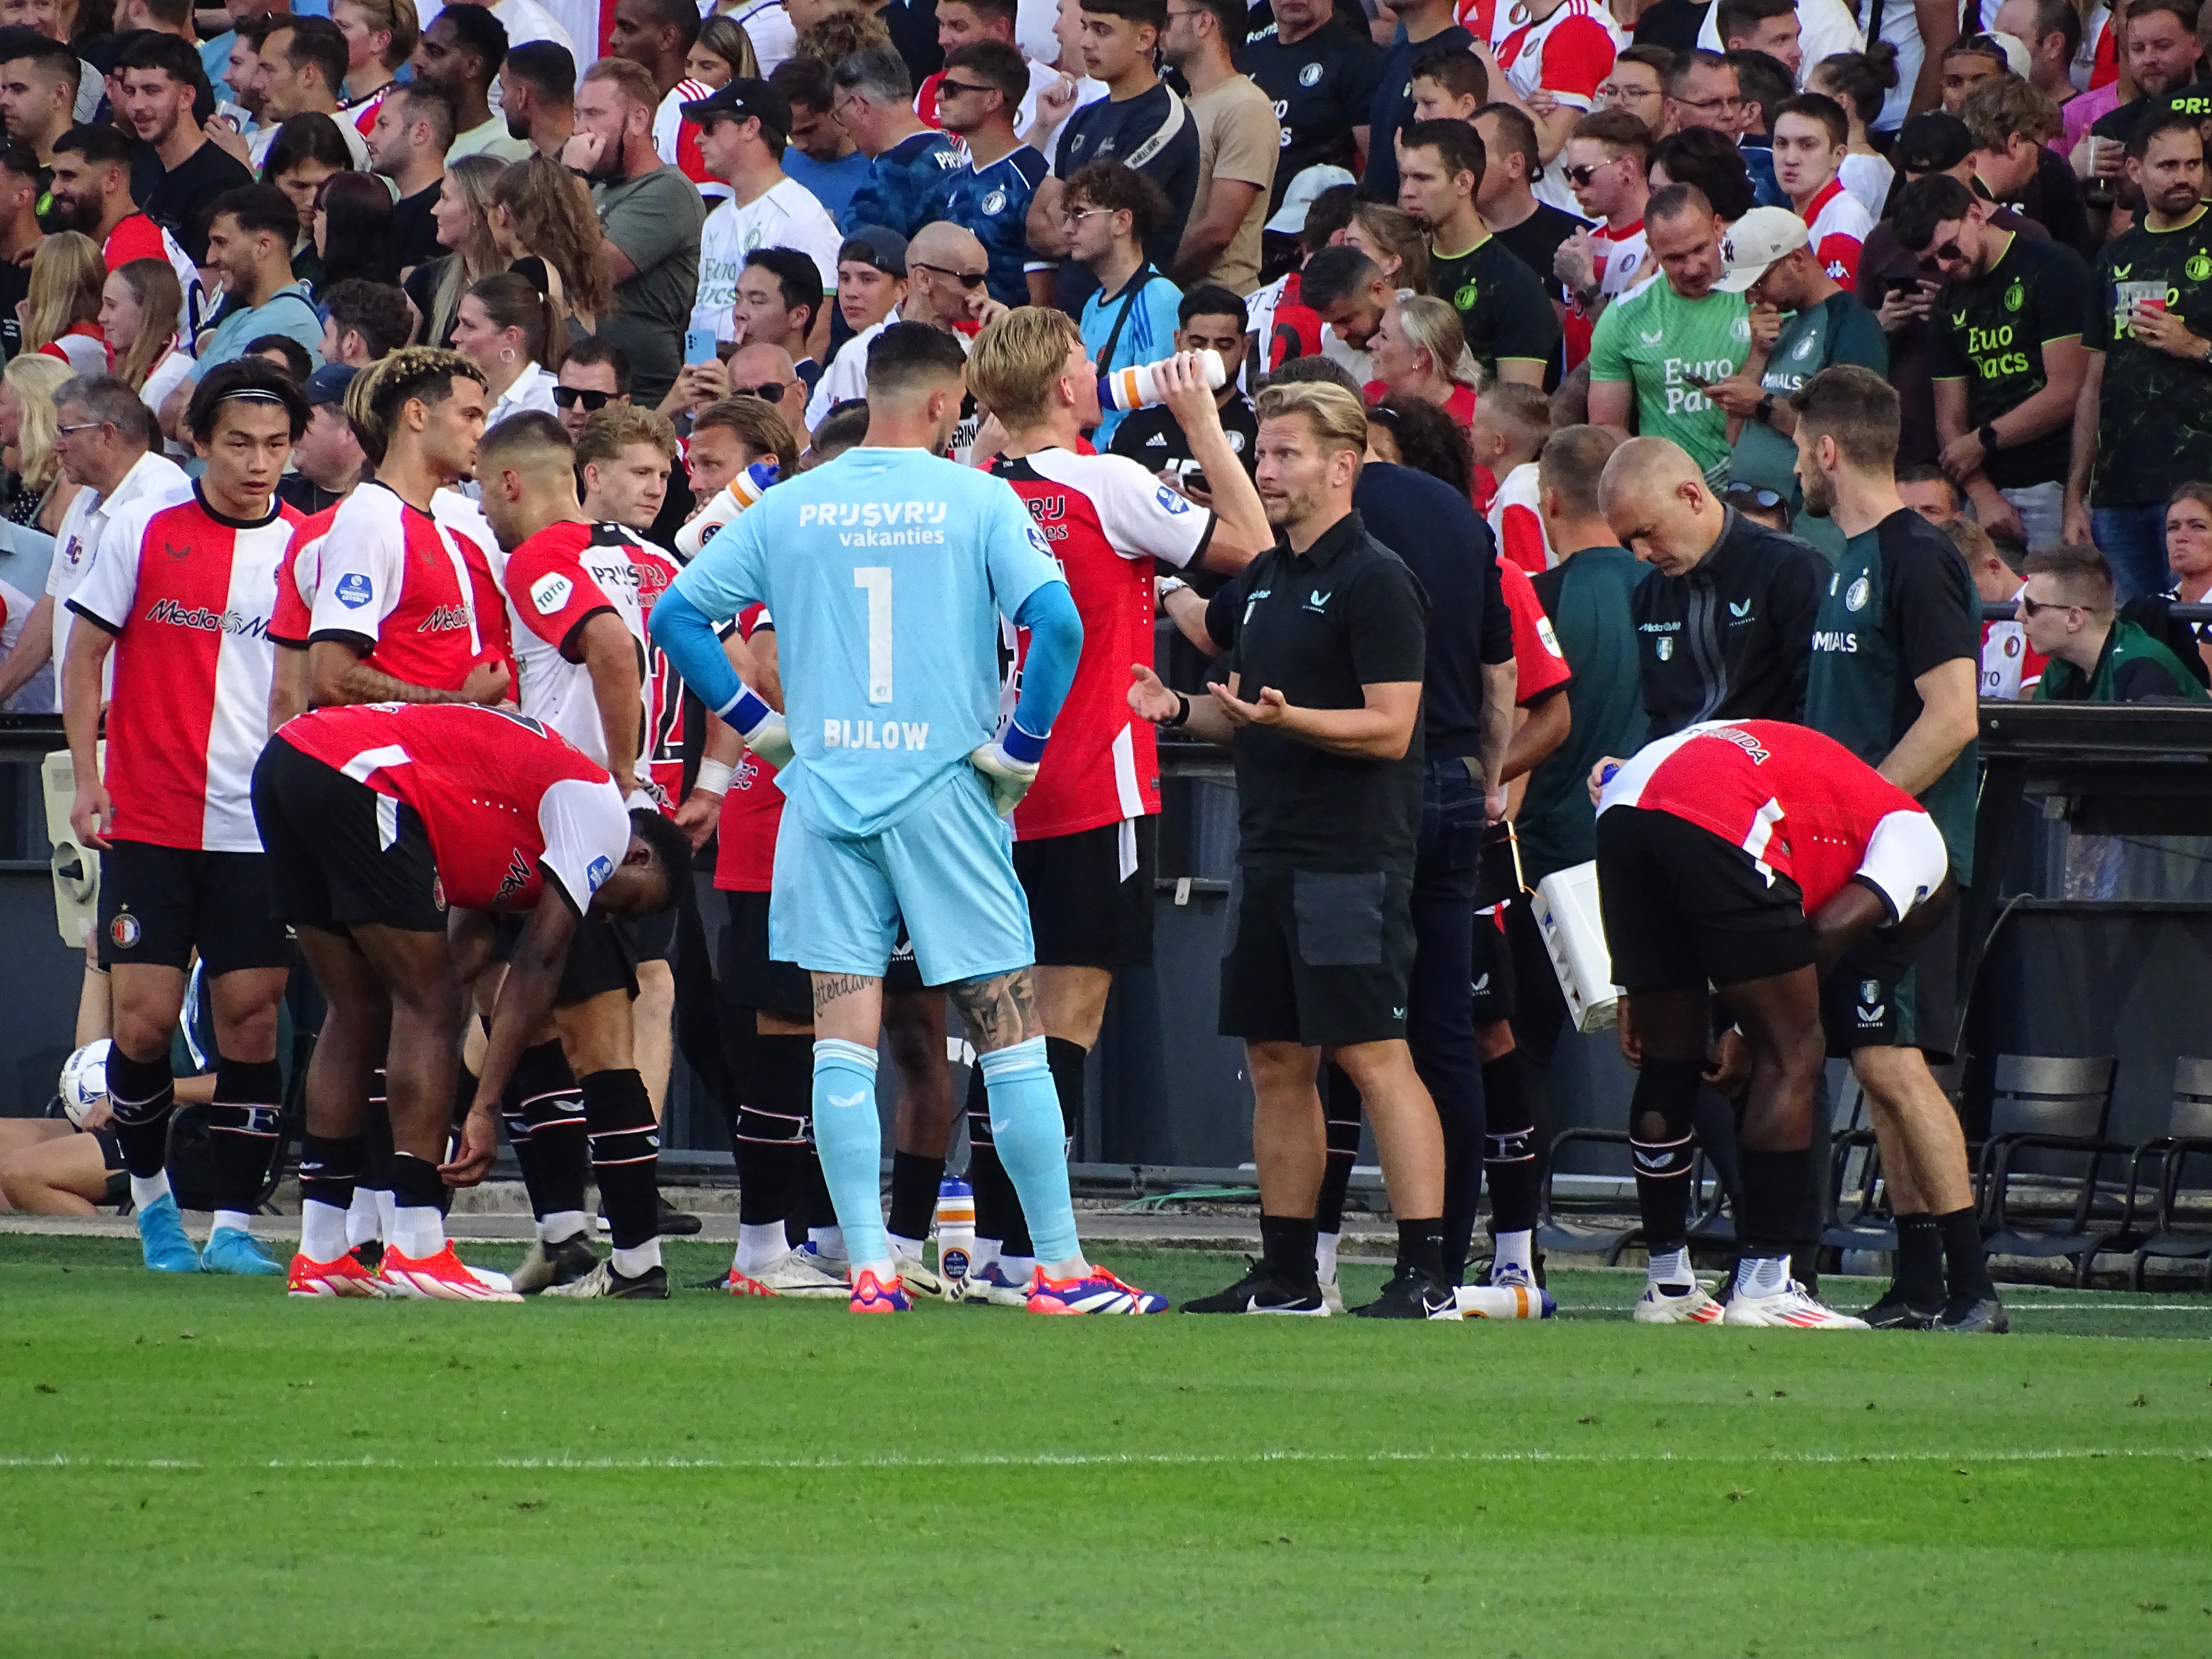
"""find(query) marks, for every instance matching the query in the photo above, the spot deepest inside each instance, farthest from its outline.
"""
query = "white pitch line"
(2023, 1304)
(1100, 1460)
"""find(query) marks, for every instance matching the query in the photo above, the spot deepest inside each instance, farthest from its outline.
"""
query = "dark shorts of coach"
(1083, 913)
(1317, 956)
(340, 854)
(1684, 907)
(159, 904)
(1882, 995)
(752, 979)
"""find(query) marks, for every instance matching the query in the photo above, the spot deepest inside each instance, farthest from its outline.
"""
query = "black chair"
(2043, 1103)
(1555, 1237)
(1858, 1218)
(2188, 1131)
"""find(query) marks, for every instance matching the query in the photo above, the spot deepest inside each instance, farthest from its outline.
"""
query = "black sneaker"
(1895, 1312)
(1263, 1291)
(547, 1266)
(369, 1253)
(672, 1223)
(1412, 1294)
(602, 1281)
(1974, 1315)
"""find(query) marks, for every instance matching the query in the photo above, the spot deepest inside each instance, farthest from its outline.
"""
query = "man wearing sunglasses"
(742, 130)
(977, 97)
(2096, 656)
(592, 376)
(2007, 333)
(945, 275)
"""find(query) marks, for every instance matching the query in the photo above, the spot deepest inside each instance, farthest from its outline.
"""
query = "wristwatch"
(1987, 431)
(1766, 410)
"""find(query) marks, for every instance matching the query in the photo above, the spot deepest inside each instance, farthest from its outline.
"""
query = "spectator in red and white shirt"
(1511, 425)
(1563, 49)
(2011, 667)
(407, 611)
(181, 596)
(1082, 847)
(657, 35)
(1811, 138)
(92, 193)
(379, 37)
(1604, 164)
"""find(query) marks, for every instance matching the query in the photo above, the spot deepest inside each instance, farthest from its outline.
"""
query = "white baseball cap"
(1756, 241)
(1291, 217)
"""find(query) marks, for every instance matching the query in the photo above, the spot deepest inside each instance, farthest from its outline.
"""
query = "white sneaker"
(1792, 1306)
(792, 1274)
(921, 1279)
(991, 1288)
(1667, 1304)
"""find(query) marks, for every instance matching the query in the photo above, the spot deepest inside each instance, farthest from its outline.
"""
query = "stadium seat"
(1554, 1237)
(1859, 1217)
(2050, 1104)
(2188, 1131)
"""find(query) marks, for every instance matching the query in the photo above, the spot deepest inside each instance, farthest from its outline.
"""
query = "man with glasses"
(1604, 165)
(1702, 91)
(2067, 610)
(592, 376)
(1131, 317)
(945, 274)
(742, 132)
(909, 164)
(977, 97)
(2007, 328)
(758, 369)
(1637, 86)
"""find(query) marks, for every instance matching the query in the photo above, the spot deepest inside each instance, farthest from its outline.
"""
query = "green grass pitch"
(202, 1467)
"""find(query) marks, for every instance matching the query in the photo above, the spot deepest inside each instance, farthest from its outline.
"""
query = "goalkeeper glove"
(760, 727)
(1009, 764)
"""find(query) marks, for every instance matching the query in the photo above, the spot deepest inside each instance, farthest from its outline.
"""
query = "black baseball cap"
(1933, 142)
(738, 99)
(875, 245)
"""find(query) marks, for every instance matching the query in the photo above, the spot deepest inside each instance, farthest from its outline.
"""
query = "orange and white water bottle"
(956, 1235)
(1138, 387)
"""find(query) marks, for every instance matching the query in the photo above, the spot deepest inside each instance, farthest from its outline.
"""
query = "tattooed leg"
(1000, 1011)
(848, 1006)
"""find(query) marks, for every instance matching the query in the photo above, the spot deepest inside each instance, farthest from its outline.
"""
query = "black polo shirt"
(1319, 626)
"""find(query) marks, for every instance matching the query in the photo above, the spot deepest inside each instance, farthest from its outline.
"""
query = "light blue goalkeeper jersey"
(886, 571)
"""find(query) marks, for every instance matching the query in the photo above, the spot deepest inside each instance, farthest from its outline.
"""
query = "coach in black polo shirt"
(1322, 709)
(1725, 622)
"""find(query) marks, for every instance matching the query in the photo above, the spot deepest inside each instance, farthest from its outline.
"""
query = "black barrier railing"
(2009, 611)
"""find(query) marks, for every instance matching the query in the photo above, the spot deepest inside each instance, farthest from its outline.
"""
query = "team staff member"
(1896, 671)
(1725, 620)
(1084, 839)
(1329, 636)
(182, 868)
(1746, 857)
(378, 819)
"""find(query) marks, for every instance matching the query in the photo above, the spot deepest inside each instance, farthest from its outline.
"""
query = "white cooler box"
(1574, 933)
(76, 868)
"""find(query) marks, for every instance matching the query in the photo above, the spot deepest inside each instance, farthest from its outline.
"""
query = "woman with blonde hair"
(1420, 351)
(543, 220)
(61, 318)
(722, 53)
(141, 312)
(463, 216)
(1393, 241)
(38, 493)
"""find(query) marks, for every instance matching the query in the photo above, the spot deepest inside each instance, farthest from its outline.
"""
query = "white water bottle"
(1498, 1302)
(956, 1235)
(1138, 387)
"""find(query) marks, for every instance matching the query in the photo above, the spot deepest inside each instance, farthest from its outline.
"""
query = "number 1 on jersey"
(875, 580)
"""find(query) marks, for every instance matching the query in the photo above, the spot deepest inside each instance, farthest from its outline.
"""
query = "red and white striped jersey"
(292, 620)
(656, 569)
(411, 589)
(1538, 663)
(556, 582)
(1486, 20)
(507, 801)
(1621, 261)
(676, 140)
(1515, 522)
(187, 594)
(362, 111)
(1567, 54)
(752, 810)
(2010, 665)
(1105, 519)
(1837, 225)
(1800, 803)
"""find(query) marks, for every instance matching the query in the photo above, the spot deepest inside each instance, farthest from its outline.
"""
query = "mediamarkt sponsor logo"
(207, 620)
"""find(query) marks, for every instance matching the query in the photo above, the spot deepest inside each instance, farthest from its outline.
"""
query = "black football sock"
(776, 1159)
(242, 1131)
(1286, 1246)
(1963, 1255)
(141, 1096)
(1508, 1149)
(1919, 1275)
(1781, 1215)
(625, 1159)
(1421, 1247)
(1340, 1108)
(1661, 1149)
(1068, 1059)
(543, 1110)
(915, 1183)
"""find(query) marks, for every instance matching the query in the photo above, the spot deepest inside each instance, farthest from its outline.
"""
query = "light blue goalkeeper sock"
(849, 1138)
(1025, 1124)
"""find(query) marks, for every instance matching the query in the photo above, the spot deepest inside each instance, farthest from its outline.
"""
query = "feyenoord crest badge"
(124, 930)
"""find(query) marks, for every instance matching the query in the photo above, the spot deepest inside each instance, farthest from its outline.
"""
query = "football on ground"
(205, 1467)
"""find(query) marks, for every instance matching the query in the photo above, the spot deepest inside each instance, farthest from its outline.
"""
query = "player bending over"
(887, 571)
(377, 817)
(1747, 856)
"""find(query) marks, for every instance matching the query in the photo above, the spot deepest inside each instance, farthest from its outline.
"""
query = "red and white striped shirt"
(187, 594)
(1105, 519)
(506, 800)
(664, 687)
(1837, 224)
(1620, 262)
(412, 589)
(1568, 54)
(752, 809)
(1800, 803)
(1516, 523)
(292, 621)
(558, 581)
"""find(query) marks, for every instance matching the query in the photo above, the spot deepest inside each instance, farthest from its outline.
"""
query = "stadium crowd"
(439, 453)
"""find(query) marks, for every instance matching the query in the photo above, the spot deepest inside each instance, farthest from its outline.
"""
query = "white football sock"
(1671, 1268)
(1018, 1268)
(387, 1206)
(906, 1249)
(759, 1242)
(1762, 1275)
(1515, 1250)
(986, 1251)
(827, 1241)
(322, 1231)
(149, 1189)
(418, 1231)
(364, 1221)
(238, 1220)
(1073, 1267)
(1325, 1257)
(638, 1259)
(562, 1226)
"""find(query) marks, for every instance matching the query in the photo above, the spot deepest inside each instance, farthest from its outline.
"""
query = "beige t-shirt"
(1239, 138)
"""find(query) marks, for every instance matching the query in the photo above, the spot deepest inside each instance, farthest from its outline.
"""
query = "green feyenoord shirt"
(1900, 603)
(1990, 331)
(1503, 309)
(1655, 338)
(2154, 414)
(1840, 329)
(2131, 667)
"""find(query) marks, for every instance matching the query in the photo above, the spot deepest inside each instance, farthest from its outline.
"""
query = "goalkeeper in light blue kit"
(886, 571)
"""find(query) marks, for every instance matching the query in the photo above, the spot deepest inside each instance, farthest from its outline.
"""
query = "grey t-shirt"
(654, 219)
